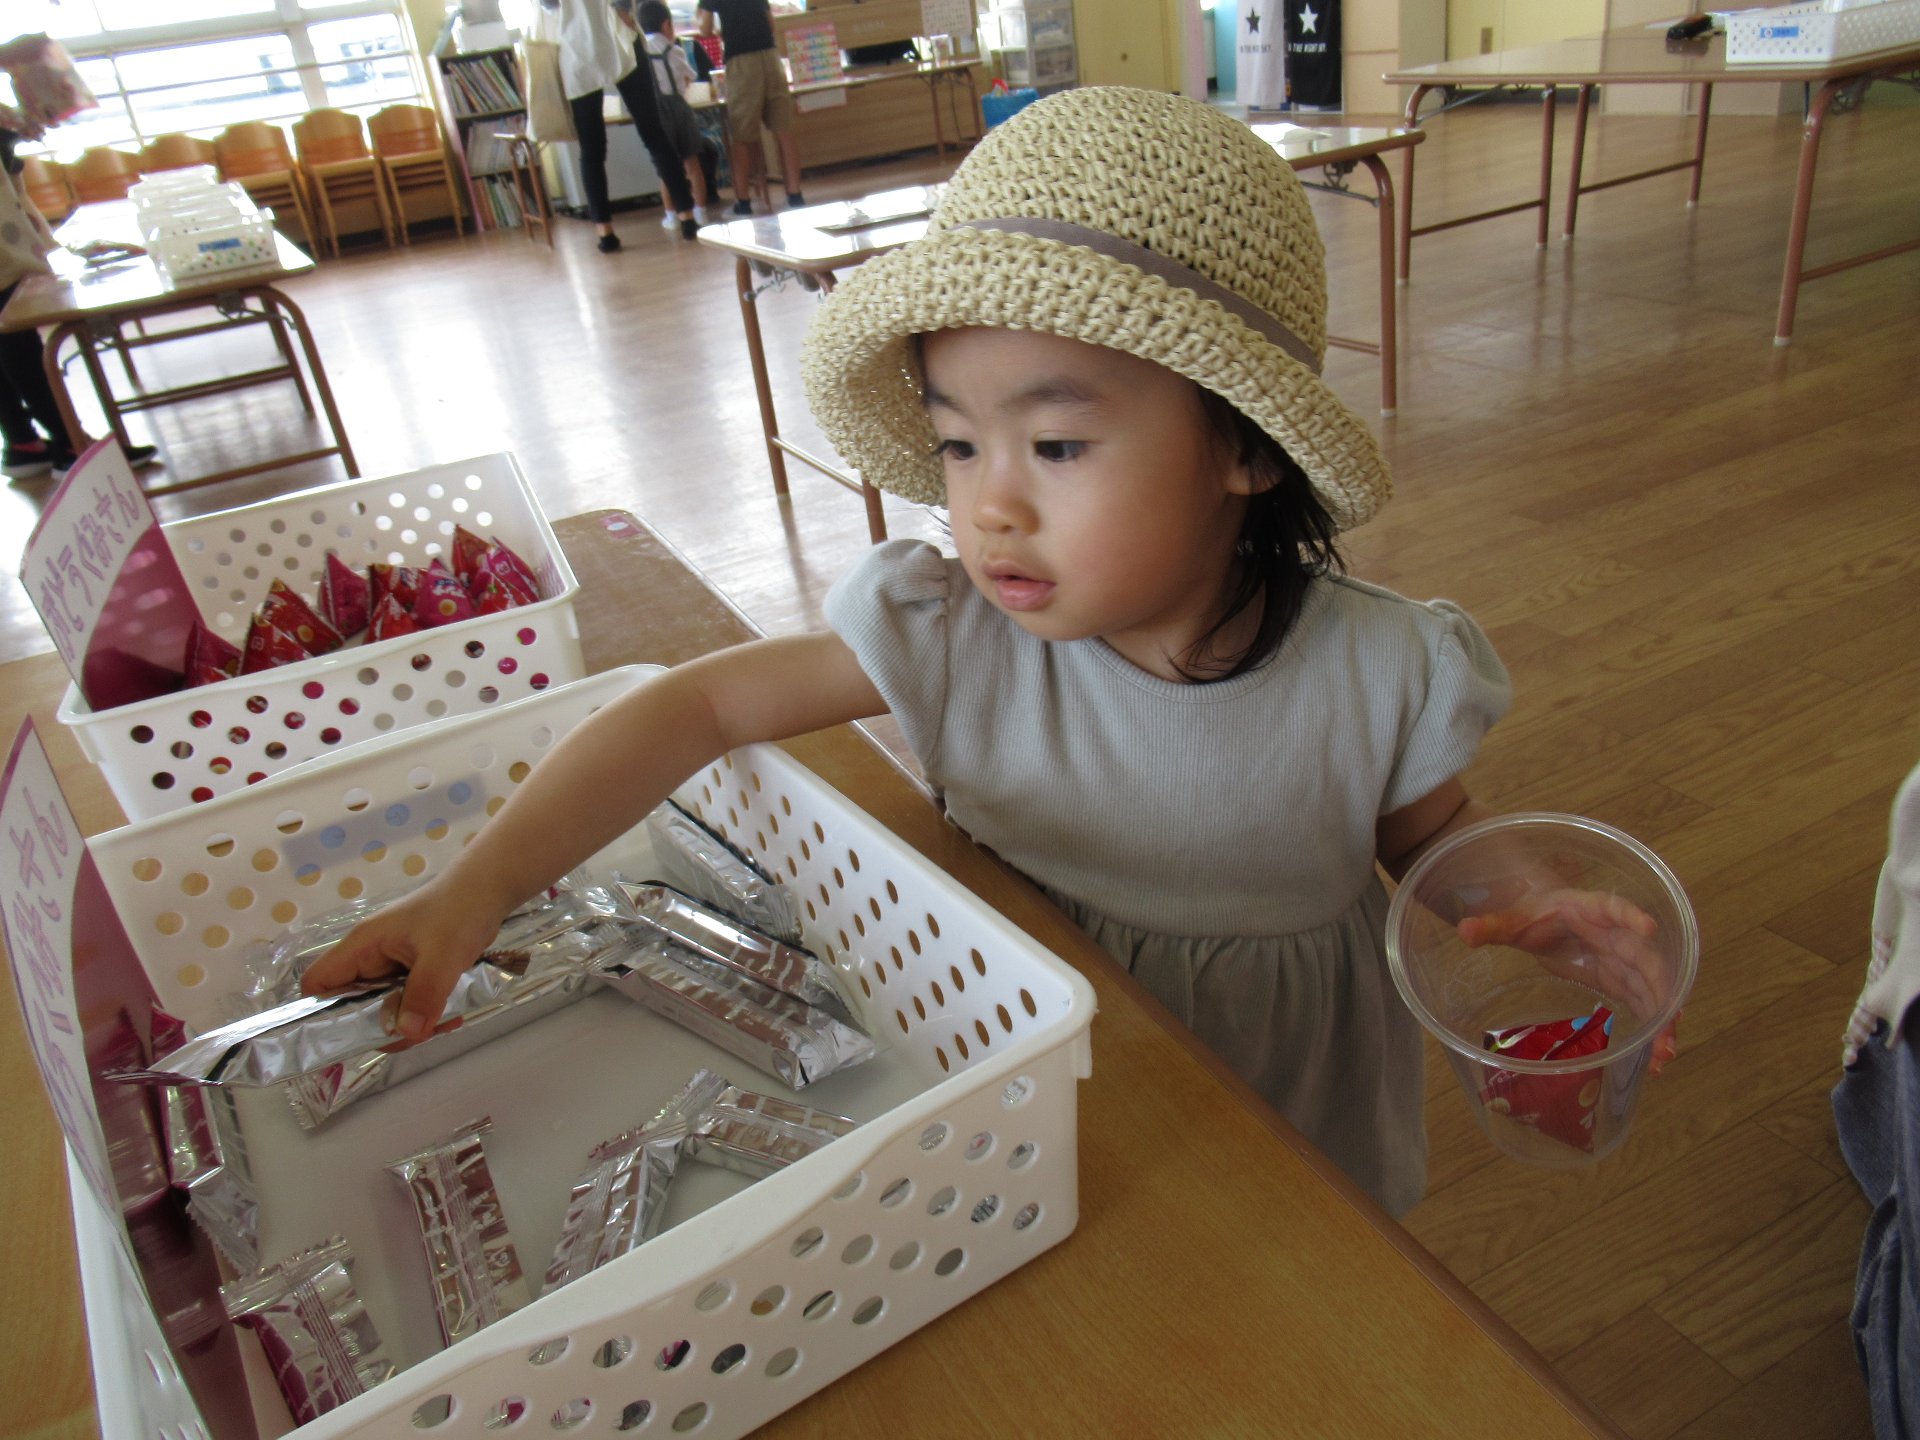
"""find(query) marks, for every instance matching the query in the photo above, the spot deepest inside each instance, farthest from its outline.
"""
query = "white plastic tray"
(175, 750)
(964, 1167)
(1821, 30)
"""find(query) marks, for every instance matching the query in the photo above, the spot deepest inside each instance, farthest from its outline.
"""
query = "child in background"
(758, 99)
(672, 74)
(1143, 681)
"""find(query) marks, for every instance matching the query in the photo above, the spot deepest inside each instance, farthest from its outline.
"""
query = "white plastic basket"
(1821, 30)
(179, 749)
(963, 1169)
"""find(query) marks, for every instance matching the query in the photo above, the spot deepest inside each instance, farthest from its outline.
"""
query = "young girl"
(1142, 681)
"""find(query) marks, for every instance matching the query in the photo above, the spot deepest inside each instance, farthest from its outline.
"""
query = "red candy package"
(391, 617)
(442, 598)
(400, 581)
(490, 597)
(469, 552)
(268, 645)
(512, 572)
(346, 597)
(209, 658)
(1560, 1106)
(286, 611)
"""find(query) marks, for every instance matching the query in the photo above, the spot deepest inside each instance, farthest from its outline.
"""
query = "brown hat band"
(1159, 266)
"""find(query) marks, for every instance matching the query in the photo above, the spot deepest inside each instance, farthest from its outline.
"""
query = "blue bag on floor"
(999, 105)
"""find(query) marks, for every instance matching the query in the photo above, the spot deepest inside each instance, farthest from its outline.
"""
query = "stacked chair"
(339, 168)
(103, 173)
(413, 161)
(177, 152)
(255, 154)
(47, 187)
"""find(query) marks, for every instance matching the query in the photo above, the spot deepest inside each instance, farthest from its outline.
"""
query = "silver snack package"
(694, 859)
(787, 1038)
(475, 1269)
(618, 1201)
(192, 1147)
(756, 1134)
(224, 1204)
(307, 1035)
(318, 1337)
(725, 941)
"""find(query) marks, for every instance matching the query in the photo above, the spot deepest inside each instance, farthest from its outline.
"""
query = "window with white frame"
(162, 67)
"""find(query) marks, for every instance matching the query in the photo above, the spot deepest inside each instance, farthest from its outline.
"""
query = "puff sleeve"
(1467, 691)
(892, 611)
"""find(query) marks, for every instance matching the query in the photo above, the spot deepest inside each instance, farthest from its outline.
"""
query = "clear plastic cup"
(1559, 1113)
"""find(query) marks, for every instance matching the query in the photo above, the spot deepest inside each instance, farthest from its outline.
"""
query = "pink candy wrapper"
(346, 597)
(286, 611)
(442, 599)
(209, 658)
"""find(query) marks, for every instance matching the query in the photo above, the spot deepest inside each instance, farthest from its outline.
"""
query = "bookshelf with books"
(480, 96)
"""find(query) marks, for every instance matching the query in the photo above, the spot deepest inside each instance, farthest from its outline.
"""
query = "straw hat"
(1143, 222)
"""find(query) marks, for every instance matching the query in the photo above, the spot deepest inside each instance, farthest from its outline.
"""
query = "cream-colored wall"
(1477, 26)
(1128, 42)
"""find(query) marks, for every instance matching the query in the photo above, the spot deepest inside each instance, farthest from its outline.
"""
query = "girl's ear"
(1239, 475)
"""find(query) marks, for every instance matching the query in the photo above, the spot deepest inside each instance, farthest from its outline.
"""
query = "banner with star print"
(1260, 56)
(1313, 54)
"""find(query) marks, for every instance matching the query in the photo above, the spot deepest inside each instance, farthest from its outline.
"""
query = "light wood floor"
(1696, 552)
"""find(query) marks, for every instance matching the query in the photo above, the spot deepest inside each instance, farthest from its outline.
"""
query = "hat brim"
(864, 384)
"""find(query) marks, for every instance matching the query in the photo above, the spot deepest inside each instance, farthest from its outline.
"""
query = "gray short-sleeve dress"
(1217, 839)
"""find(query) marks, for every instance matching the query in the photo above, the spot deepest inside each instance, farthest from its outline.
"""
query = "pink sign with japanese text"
(105, 582)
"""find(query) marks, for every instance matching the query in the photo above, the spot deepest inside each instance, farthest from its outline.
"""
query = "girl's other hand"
(1599, 940)
(430, 937)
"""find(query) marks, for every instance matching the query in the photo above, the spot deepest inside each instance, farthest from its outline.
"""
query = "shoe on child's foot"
(22, 462)
(688, 229)
(141, 456)
(669, 220)
(795, 199)
(743, 207)
(700, 215)
(609, 244)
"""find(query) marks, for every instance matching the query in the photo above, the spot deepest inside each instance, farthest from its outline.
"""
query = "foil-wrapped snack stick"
(319, 1340)
(618, 1201)
(725, 941)
(694, 859)
(757, 1134)
(787, 1038)
(470, 1254)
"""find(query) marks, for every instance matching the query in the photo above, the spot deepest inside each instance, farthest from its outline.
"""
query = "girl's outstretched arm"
(600, 782)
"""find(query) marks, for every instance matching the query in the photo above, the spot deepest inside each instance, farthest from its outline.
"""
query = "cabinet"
(480, 95)
(1033, 42)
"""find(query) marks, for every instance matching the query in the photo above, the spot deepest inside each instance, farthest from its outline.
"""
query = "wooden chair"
(255, 154)
(47, 187)
(530, 185)
(339, 167)
(103, 173)
(178, 152)
(413, 159)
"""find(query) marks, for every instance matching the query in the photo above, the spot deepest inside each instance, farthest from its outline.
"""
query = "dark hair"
(654, 14)
(1286, 541)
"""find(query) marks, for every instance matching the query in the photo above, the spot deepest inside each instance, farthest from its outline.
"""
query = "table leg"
(762, 386)
(279, 324)
(1700, 145)
(1406, 184)
(57, 380)
(1389, 320)
(1546, 163)
(103, 389)
(1579, 158)
(1802, 204)
(939, 129)
(273, 300)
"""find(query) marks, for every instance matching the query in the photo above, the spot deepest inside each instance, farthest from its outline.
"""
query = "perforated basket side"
(159, 755)
(1811, 32)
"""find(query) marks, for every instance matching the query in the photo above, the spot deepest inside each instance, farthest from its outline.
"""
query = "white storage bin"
(1039, 65)
(1821, 30)
(179, 749)
(964, 1166)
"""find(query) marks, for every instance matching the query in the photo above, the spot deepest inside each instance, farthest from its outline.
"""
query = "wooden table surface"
(77, 290)
(1223, 1279)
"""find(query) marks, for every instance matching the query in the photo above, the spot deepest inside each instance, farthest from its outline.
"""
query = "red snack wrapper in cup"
(286, 611)
(400, 581)
(442, 599)
(490, 597)
(209, 658)
(1560, 1106)
(513, 573)
(268, 645)
(390, 618)
(346, 596)
(469, 553)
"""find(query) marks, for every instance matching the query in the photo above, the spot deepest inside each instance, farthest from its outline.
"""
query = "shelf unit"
(1032, 41)
(480, 92)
